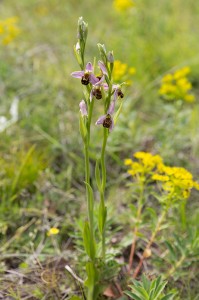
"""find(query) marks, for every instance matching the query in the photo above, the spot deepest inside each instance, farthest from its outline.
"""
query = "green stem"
(103, 159)
(87, 180)
(90, 112)
(89, 196)
(90, 204)
(103, 169)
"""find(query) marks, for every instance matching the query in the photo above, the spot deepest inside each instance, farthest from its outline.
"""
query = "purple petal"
(100, 120)
(89, 67)
(83, 108)
(105, 86)
(100, 81)
(93, 79)
(77, 74)
(111, 108)
(102, 67)
(115, 94)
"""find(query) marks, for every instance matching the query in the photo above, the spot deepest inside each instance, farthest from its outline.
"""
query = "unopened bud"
(147, 253)
(102, 49)
(82, 29)
(83, 108)
(110, 57)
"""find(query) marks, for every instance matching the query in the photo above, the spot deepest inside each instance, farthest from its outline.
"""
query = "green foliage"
(150, 290)
(75, 298)
(89, 244)
(20, 171)
(183, 252)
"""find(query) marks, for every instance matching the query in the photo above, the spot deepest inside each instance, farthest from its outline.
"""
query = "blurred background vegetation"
(42, 168)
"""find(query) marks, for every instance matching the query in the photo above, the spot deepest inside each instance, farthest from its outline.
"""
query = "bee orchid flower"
(107, 120)
(117, 91)
(86, 76)
(97, 87)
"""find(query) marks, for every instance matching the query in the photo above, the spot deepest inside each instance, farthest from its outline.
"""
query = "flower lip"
(117, 92)
(97, 85)
(96, 92)
(108, 122)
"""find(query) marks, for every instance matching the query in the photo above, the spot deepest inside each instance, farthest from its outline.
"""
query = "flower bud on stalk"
(83, 108)
(110, 59)
(82, 32)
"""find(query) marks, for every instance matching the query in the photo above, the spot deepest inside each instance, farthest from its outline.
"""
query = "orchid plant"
(96, 87)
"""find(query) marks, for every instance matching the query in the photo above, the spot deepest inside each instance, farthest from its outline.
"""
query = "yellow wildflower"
(128, 162)
(186, 194)
(122, 5)
(167, 78)
(119, 70)
(196, 185)
(144, 165)
(52, 231)
(181, 73)
(189, 98)
(167, 88)
(184, 84)
(177, 182)
(8, 30)
(177, 86)
(160, 177)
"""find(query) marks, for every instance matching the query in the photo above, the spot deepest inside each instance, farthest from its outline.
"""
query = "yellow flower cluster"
(176, 86)
(176, 182)
(8, 30)
(121, 71)
(145, 164)
(122, 5)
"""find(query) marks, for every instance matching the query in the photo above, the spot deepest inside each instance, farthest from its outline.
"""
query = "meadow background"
(42, 167)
